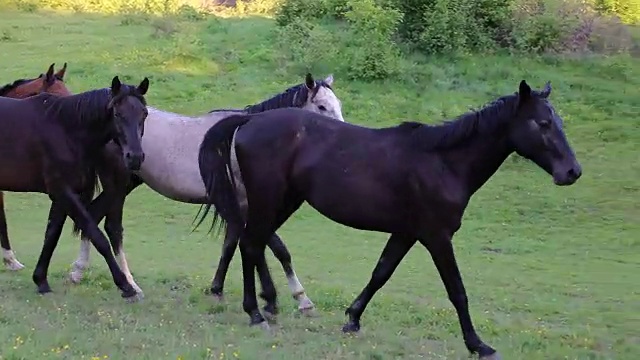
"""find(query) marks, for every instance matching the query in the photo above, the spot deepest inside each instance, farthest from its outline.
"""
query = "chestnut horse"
(49, 82)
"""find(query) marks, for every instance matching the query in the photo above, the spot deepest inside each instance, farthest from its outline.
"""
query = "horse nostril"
(574, 173)
(127, 155)
(142, 157)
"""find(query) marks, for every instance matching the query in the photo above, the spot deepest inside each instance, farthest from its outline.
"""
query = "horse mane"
(295, 96)
(81, 108)
(451, 133)
(8, 87)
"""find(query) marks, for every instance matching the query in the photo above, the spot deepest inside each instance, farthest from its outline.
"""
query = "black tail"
(215, 168)
(92, 186)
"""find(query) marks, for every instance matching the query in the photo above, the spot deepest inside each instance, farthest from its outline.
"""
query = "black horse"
(413, 181)
(50, 144)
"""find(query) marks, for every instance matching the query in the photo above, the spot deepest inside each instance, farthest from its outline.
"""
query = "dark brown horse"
(413, 181)
(51, 144)
(48, 82)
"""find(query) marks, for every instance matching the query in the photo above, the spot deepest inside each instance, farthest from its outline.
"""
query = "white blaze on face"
(326, 102)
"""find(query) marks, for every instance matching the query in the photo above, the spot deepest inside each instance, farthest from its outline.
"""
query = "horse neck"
(89, 125)
(480, 158)
(282, 100)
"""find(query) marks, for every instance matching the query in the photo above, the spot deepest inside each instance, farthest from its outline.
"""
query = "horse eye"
(544, 124)
(322, 108)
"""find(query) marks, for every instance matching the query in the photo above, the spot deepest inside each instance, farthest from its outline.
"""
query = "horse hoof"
(139, 292)
(308, 312)
(44, 289)
(271, 317)
(75, 277)
(133, 299)
(14, 265)
(351, 328)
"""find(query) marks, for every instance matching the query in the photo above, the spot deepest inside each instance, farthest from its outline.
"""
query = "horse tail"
(214, 159)
(92, 186)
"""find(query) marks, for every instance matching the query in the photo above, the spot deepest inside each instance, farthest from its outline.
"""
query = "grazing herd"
(256, 166)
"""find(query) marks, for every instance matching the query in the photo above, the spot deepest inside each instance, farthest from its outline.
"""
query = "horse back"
(35, 150)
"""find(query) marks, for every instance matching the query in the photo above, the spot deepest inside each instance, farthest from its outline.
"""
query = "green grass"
(551, 272)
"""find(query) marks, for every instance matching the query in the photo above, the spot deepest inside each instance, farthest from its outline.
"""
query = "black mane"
(450, 133)
(7, 88)
(89, 106)
(295, 96)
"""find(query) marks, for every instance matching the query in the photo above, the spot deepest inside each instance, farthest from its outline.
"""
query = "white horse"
(171, 143)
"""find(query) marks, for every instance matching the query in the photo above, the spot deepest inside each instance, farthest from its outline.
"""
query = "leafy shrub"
(444, 26)
(376, 55)
(570, 26)
(290, 10)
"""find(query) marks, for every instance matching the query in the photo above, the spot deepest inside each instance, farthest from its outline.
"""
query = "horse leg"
(55, 223)
(269, 294)
(8, 257)
(99, 209)
(441, 250)
(114, 230)
(280, 251)
(394, 251)
(231, 238)
(88, 225)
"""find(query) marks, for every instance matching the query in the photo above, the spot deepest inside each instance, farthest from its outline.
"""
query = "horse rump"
(214, 160)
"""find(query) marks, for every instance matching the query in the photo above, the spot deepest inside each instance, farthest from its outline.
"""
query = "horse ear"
(49, 78)
(309, 82)
(144, 86)
(115, 85)
(524, 91)
(60, 73)
(329, 80)
(547, 90)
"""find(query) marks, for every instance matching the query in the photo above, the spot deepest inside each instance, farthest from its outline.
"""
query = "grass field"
(551, 273)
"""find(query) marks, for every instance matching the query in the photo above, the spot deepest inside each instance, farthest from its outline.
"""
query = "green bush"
(375, 54)
(290, 10)
(445, 26)
(363, 48)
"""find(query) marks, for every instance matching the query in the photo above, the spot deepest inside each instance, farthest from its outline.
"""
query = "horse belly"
(21, 178)
(363, 206)
(185, 190)
(171, 166)
(20, 170)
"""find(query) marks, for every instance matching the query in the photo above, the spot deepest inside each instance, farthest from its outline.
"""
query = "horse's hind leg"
(55, 223)
(229, 246)
(8, 257)
(292, 203)
(279, 249)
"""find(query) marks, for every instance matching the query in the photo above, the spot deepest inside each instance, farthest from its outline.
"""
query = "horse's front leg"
(113, 228)
(88, 225)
